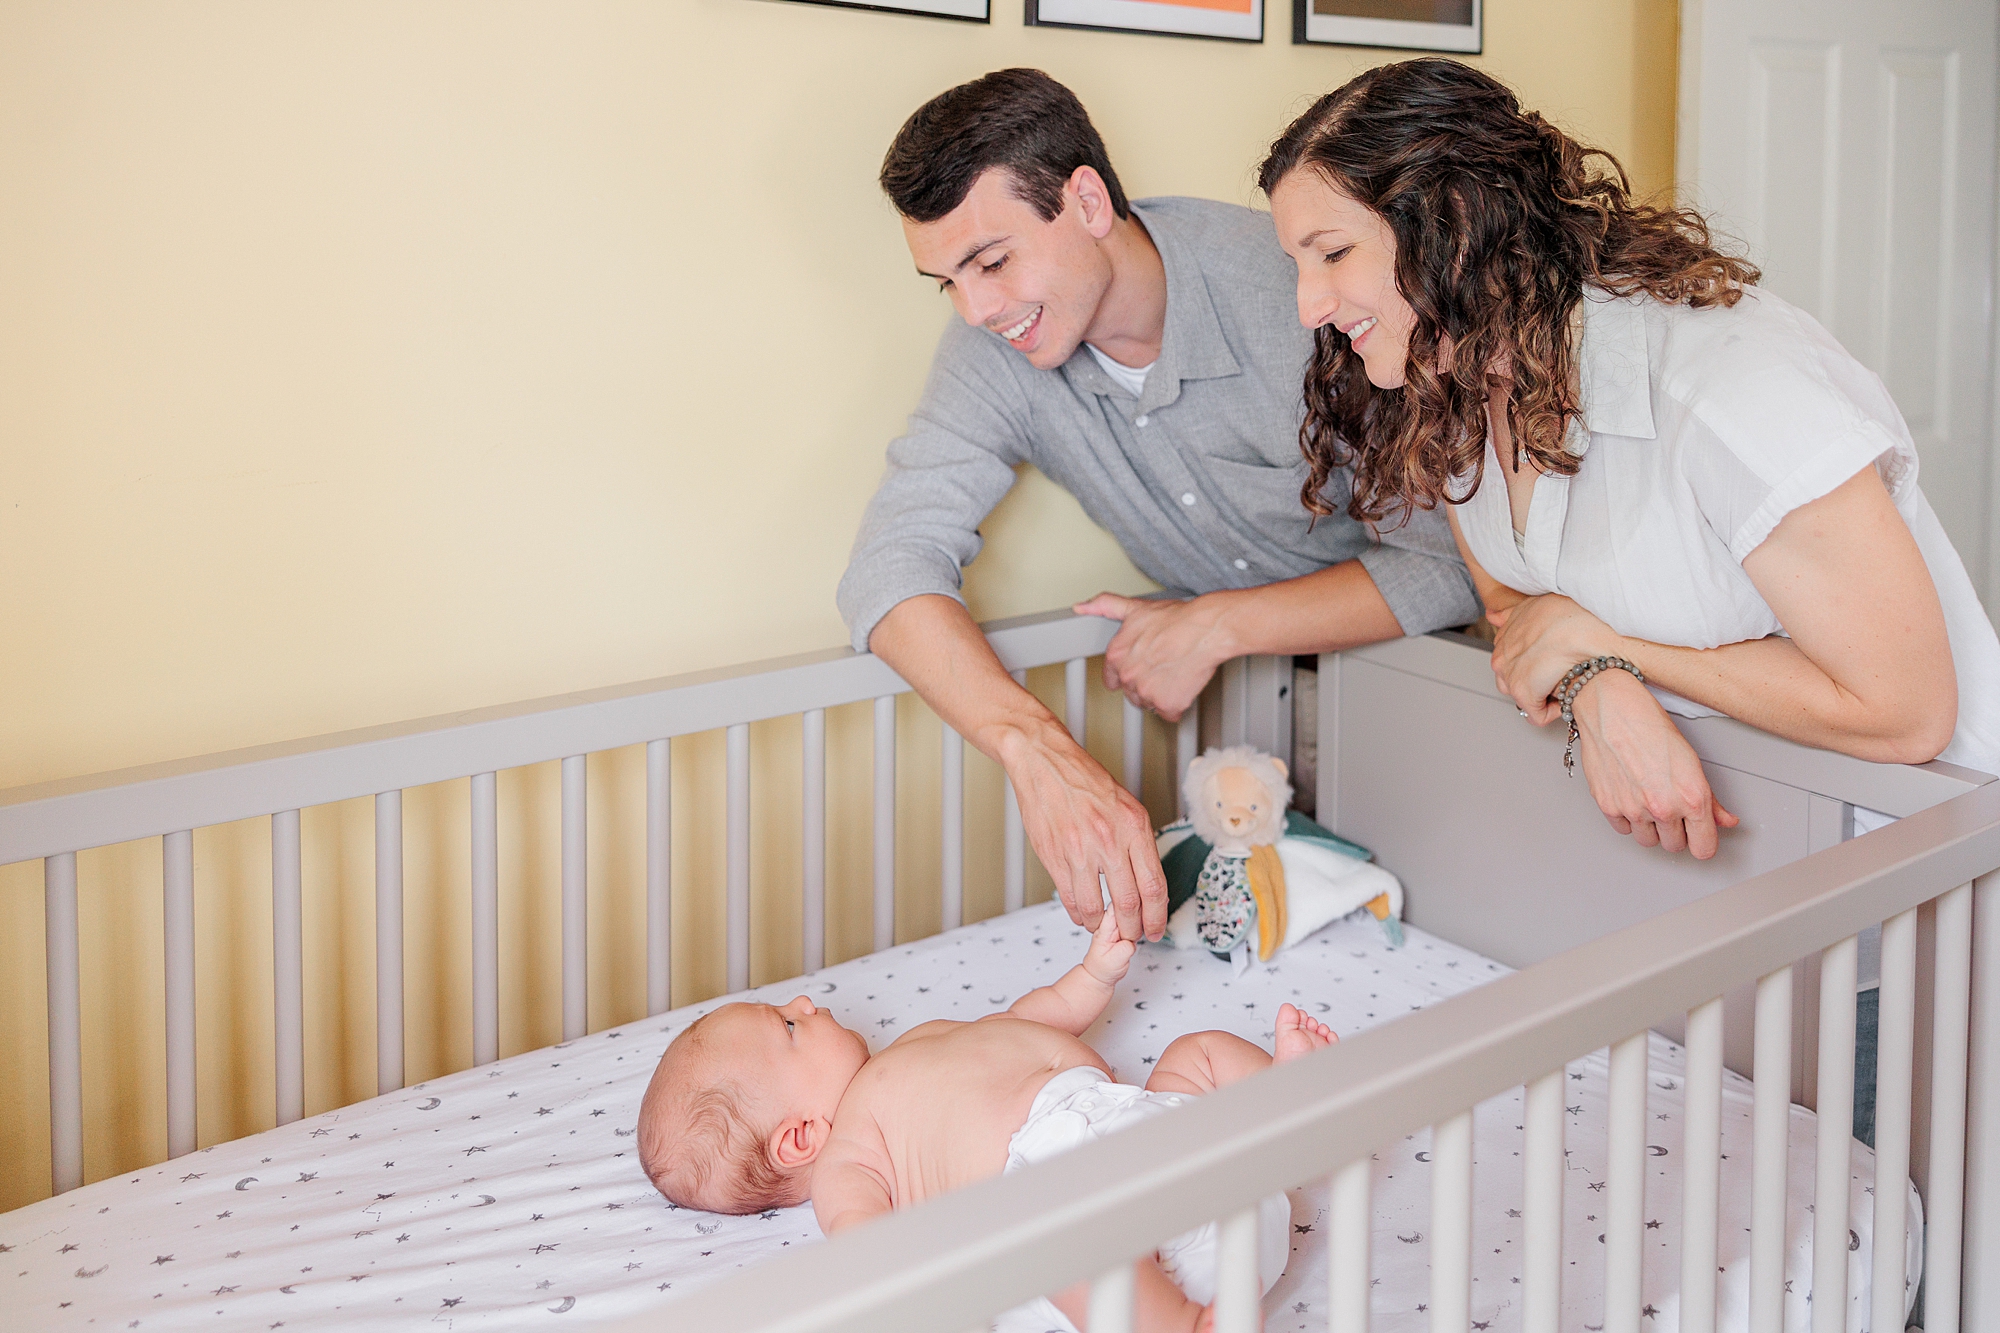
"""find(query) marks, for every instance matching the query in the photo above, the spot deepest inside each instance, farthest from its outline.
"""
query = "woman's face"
(1347, 272)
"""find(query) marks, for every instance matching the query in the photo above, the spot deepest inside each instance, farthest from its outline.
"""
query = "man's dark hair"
(1020, 120)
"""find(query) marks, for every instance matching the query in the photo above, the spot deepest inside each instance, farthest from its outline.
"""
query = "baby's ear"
(797, 1142)
(1279, 764)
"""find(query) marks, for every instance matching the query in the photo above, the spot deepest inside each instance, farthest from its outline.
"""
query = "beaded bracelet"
(1572, 685)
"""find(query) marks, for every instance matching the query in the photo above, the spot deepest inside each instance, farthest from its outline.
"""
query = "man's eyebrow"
(971, 254)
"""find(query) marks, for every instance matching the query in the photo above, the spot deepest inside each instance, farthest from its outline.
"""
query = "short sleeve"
(1779, 415)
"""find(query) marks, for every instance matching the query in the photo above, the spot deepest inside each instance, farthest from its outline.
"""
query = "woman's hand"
(1643, 774)
(1539, 640)
(1164, 652)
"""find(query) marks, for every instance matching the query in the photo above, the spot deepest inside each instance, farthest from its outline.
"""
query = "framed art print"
(973, 11)
(1230, 20)
(1414, 25)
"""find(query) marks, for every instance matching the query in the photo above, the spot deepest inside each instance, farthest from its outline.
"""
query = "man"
(1148, 358)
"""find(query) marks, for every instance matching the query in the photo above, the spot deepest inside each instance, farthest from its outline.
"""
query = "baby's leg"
(1204, 1061)
(1158, 1306)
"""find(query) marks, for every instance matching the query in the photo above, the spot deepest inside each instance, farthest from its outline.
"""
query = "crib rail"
(54, 821)
(958, 1260)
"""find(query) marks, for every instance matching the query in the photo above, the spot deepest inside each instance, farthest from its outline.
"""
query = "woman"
(1645, 458)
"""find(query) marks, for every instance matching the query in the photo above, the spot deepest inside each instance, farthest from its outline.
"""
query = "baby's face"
(792, 1058)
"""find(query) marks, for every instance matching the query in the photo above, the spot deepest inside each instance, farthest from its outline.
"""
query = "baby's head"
(742, 1103)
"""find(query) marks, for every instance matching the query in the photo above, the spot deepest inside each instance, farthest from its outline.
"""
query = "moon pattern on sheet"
(568, 1303)
(386, 1185)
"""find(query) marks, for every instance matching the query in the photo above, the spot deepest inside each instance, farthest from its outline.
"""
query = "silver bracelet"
(1572, 684)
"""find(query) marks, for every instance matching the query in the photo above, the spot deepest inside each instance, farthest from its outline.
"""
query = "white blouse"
(1700, 430)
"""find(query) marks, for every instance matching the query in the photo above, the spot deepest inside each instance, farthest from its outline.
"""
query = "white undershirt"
(1131, 378)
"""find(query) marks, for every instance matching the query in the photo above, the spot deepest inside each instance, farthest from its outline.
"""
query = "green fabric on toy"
(1246, 874)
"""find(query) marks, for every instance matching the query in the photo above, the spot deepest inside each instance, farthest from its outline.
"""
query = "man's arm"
(1081, 822)
(1413, 583)
(1166, 651)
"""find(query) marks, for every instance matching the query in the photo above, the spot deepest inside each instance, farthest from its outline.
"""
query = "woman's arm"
(1494, 595)
(1867, 670)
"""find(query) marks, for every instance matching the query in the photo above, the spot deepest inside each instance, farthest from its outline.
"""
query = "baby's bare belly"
(948, 1101)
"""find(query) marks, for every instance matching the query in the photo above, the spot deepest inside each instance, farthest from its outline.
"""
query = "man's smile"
(1018, 333)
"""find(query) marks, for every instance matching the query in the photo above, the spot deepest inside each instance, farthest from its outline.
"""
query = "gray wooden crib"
(1750, 958)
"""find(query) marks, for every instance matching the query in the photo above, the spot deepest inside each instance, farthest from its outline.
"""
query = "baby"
(760, 1106)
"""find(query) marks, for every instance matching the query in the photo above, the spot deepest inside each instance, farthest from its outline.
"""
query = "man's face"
(1036, 284)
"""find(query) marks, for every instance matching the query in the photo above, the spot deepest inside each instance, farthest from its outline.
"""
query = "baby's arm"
(846, 1193)
(1080, 995)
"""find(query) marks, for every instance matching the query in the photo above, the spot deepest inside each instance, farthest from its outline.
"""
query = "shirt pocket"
(1266, 501)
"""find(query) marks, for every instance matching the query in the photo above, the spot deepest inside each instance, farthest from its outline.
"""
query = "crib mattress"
(511, 1196)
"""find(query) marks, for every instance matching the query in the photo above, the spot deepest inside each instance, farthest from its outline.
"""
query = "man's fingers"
(1724, 818)
(1083, 898)
(1701, 833)
(1152, 890)
(1125, 902)
(1109, 605)
(1673, 834)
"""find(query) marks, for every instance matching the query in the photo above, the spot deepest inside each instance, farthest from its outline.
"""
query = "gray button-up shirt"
(1198, 478)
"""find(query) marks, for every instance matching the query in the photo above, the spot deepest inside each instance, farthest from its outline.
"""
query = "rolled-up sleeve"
(945, 474)
(1419, 573)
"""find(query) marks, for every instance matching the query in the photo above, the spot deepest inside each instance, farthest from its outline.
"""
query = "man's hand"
(1164, 652)
(1083, 825)
(1643, 774)
(1539, 640)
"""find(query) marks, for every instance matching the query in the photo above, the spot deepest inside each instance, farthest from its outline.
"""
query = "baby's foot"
(1299, 1034)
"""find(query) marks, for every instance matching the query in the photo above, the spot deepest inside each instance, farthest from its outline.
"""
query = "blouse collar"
(1614, 378)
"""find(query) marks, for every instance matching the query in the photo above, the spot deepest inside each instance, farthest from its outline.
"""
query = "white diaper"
(1081, 1104)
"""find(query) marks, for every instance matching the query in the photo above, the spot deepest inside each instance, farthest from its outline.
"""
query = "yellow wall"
(368, 360)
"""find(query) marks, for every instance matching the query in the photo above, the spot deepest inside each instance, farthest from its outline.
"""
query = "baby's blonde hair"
(695, 1143)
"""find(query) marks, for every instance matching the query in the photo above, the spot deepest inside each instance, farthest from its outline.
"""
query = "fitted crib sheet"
(510, 1196)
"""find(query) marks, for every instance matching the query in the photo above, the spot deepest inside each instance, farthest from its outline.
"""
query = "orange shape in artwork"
(1226, 6)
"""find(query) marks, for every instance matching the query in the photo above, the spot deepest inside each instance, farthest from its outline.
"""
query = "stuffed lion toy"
(1247, 873)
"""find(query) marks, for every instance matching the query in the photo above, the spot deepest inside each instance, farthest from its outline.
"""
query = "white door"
(1850, 143)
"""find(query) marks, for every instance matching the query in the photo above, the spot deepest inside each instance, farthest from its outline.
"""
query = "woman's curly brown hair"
(1499, 224)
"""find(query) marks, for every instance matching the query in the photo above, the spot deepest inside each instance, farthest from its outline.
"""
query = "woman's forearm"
(1772, 685)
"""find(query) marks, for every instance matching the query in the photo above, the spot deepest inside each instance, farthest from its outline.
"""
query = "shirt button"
(1139, 421)
(1243, 564)
(1187, 497)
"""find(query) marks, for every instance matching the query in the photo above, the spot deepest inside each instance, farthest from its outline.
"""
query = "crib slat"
(1348, 1237)
(952, 881)
(1895, 1054)
(1451, 1224)
(659, 877)
(812, 831)
(1111, 1301)
(1837, 967)
(575, 896)
(1542, 1213)
(65, 1022)
(1770, 1143)
(1701, 1166)
(1187, 744)
(1013, 841)
(739, 856)
(1074, 697)
(178, 853)
(1135, 749)
(388, 941)
(485, 821)
(885, 821)
(1238, 1287)
(1944, 1208)
(1625, 1209)
(288, 1017)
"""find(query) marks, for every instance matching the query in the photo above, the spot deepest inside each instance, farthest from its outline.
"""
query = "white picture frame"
(1454, 26)
(1223, 20)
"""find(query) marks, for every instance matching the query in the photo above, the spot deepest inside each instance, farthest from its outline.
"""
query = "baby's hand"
(1109, 955)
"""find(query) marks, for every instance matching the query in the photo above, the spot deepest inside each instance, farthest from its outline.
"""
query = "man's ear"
(797, 1142)
(1093, 201)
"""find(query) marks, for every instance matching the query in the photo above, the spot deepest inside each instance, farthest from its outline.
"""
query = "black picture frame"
(1380, 23)
(1154, 18)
